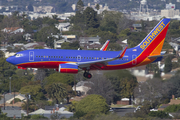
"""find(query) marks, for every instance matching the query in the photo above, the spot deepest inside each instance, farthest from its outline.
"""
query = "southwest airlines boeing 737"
(72, 61)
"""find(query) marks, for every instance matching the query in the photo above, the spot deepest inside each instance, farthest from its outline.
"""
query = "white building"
(175, 46)
(46, 9)
(13, 30)
(169, 13)
(57, 44)
(63, 26)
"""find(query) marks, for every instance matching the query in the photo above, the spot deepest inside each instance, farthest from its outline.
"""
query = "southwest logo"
(152, 36)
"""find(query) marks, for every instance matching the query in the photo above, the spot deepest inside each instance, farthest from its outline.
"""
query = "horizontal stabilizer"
(156, 56)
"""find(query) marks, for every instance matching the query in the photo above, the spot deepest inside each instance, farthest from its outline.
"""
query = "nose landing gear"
(87, 75)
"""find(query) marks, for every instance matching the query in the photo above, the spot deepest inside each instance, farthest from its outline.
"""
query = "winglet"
(104, 47)
(122, 52)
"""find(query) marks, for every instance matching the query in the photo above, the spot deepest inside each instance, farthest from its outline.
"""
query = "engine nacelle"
(68, 68)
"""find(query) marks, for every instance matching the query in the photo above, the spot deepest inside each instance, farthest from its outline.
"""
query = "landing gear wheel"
(87, 75)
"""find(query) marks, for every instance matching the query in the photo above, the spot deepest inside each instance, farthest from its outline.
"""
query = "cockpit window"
(18, 55)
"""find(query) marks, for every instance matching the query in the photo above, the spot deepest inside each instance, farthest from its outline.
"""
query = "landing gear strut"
(87, 75)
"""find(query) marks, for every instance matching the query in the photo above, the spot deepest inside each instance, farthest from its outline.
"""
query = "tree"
(97, 7)
(172, 108)
(31, 106)
(153, 91)
(40, 75)
(67, 79)
(57, 91)
(110, 26)
(38, 117)
(168, 65)
(102, 86)
(8, 22)
(116, 19)
(135, 38)
(6, 69)
(92, 103)
(1, 54)
(75, 45)
(35, 91)
(30, 7)
(123, 82)
(114, 47)
(107, 36)
(72, 106)
(55, 115)
(90, 18)
(174, 86)
(80, 6)
(160, 114)
(45, 35)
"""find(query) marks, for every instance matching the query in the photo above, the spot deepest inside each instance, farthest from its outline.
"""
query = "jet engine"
(68, 68)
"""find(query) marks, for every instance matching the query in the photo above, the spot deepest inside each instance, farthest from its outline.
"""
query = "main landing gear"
(87, 75)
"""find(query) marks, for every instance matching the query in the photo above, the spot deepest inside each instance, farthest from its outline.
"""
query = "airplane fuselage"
(51, 58)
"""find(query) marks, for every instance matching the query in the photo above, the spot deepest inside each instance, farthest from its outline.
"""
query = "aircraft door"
(78, 58)
(134, 59)
(31, 55)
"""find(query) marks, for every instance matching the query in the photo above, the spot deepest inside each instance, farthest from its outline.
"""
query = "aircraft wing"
(102, 62)
(104, 47)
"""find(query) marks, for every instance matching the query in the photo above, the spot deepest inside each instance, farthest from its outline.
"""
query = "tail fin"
(104, 47)
(153, 42)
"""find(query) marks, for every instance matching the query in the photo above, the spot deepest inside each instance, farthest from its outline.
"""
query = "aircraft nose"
(9, 60)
